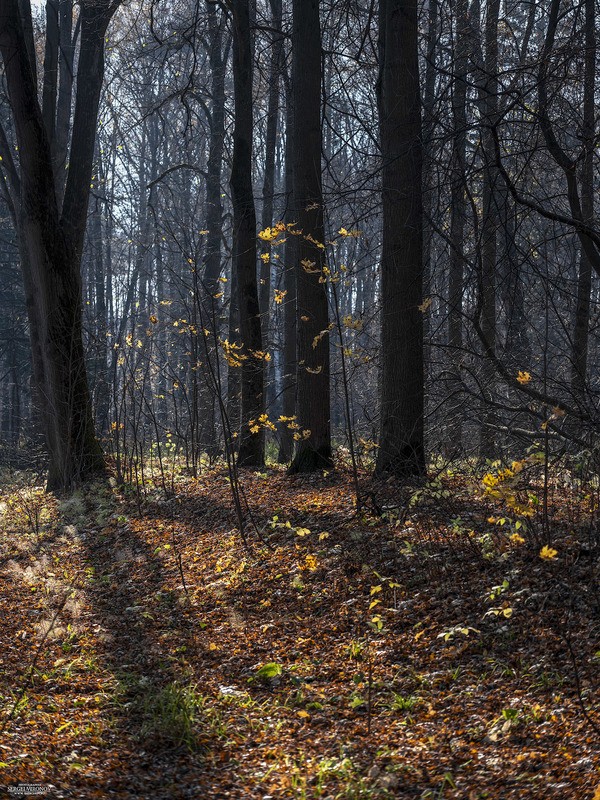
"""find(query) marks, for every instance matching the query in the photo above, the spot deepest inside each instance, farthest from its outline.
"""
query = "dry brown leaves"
(148, 683)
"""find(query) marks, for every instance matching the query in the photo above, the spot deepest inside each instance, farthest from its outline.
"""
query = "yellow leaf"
(425, 305)
(310, 563)
(523, 377)
(548, 553)
(303, 714)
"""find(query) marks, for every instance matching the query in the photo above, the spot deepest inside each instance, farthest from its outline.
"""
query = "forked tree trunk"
(51, 238)
(401, 448)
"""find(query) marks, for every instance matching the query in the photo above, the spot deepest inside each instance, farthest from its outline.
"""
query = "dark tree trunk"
(584, 283)
(489, 223)
(290, 258)
(401, 447)
(214, 204)
(208, 306)
(429, 124)
(313, 450)
(457, 218)
(51, 241)
(268, 192)
(251, 452)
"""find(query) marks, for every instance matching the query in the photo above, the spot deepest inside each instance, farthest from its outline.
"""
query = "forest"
(299, 398)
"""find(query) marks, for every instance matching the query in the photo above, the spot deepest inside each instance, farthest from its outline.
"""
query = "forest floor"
(145, 652)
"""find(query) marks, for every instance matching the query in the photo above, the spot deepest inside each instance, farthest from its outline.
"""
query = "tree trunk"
(458, 218)
(584, 283)
(489, 224)
(214, 221)
(251, 452)
(290, 259)
(401, 447)
(313, 449)
(51, 241)
(268, 191)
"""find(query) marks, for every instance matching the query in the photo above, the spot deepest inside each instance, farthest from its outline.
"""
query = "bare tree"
(51, 224)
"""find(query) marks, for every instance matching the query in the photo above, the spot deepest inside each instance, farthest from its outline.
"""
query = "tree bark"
(313, 449)
(458, 216)
(51, 241)
(290, 259)
(489, 222)
(401, 446)
(251, 451)
(584, 283)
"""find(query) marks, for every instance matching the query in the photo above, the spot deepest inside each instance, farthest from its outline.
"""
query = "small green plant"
(171, 714)
(266, 673)
(451, 633)
(496, 591)
(432, 491)
(356, 650)
(401, 703)
(437, 794)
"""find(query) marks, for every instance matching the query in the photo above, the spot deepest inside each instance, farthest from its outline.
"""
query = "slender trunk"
(290, 259)
(213, 216)
(268, 190)
(584, 283)
(490, 221)
(457, 216)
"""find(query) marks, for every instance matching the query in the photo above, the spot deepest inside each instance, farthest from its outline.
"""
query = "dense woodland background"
(445, 242)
